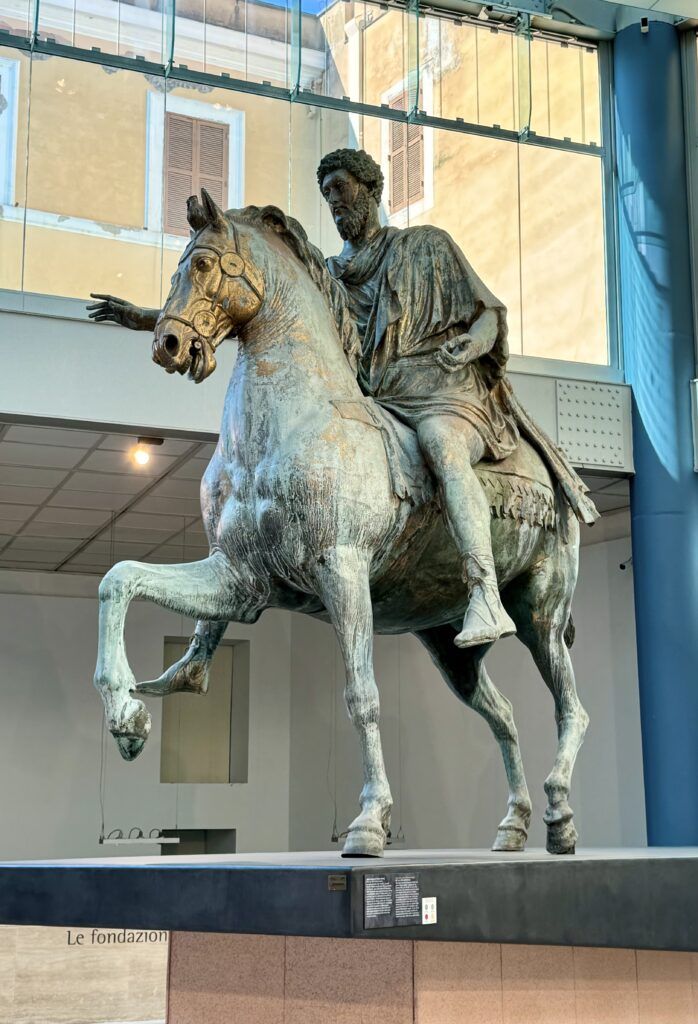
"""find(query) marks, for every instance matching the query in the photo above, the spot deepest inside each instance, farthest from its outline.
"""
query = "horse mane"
(293, 234)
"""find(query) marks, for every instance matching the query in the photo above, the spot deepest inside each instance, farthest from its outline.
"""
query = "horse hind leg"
(190, 673)
(541, 611)
(464, 671)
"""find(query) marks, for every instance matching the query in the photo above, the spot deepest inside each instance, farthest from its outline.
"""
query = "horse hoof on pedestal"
(561, 839)
(362, 842)
(129, 746)
(510, 840)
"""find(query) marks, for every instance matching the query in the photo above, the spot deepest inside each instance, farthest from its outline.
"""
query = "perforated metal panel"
(593, 423)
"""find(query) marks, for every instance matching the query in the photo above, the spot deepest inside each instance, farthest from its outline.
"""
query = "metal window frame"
(296, 94)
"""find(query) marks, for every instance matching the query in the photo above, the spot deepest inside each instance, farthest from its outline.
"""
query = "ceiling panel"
(24, 495)
(193, 469)
(52, 436)
(114, 483)
(50, 456)
(16, 512)
(39, 528)
(89, 516)
(142, 521)
(184, 507)
(119, 462)
(88, 499)
(23, 476)
(176, 487)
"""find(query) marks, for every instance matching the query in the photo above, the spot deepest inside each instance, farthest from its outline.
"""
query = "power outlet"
(429, 910)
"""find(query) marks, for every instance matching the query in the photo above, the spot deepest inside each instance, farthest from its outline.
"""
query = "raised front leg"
(465, 673)
(190, 673)
(198, 589)
(343, 586)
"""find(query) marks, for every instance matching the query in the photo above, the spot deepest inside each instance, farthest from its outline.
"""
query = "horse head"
(216, 290)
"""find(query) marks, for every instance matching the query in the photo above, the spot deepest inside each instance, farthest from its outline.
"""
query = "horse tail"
(570, 632)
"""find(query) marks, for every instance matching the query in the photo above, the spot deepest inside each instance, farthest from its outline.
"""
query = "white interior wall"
(50, 729)
(452, 792)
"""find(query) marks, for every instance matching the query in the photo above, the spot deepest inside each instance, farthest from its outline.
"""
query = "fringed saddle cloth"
(519, 487)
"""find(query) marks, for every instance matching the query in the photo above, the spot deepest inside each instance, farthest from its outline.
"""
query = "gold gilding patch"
(266, 369)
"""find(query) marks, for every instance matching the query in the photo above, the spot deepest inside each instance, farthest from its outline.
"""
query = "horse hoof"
(364, 842)
(561, 838)
(129, 746)
(510, 840)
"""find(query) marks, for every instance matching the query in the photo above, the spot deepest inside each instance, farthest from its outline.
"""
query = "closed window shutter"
(196, 156)
(406, 160)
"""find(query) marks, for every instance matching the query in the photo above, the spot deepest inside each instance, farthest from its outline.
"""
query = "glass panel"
(93, 217)
(562, 255)
(17, 17)
(316, 131)
(14, 123)
(246, 40)
(469, 72)
(470, 188)
(255, 133)
(357, 51)
(566, 91)
(112, 26)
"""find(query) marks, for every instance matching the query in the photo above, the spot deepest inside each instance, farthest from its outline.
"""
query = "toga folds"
(411, 290)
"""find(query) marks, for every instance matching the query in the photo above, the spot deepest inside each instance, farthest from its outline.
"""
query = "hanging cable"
(332, 748)
(400, 837)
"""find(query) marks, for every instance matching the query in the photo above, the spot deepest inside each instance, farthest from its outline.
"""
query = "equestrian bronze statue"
(374, 469)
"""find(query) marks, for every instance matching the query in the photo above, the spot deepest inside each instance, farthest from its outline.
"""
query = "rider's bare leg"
(452, 446)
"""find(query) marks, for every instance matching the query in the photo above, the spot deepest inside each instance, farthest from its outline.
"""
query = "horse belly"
(425, 587)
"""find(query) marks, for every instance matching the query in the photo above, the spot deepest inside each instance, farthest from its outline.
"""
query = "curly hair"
(359, 164)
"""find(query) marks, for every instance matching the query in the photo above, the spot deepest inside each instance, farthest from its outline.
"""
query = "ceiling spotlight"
(140, 455)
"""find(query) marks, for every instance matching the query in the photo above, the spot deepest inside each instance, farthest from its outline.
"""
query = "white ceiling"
(73, 501)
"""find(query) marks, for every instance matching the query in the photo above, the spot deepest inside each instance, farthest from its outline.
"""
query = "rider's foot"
(485, 620)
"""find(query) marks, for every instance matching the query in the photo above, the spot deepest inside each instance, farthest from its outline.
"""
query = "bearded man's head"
(352, 183)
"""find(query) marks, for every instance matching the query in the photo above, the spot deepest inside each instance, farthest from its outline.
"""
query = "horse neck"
(295, 336)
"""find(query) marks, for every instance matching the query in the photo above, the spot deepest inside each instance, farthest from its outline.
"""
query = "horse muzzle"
(178, 348)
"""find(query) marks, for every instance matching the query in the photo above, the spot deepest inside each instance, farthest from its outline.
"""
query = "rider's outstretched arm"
(109, 309)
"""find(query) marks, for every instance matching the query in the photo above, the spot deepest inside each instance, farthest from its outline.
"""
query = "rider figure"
(434, 352)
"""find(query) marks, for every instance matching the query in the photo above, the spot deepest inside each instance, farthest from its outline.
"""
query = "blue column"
(657, 332)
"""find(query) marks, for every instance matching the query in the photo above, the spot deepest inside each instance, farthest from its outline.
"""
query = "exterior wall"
(530, 220)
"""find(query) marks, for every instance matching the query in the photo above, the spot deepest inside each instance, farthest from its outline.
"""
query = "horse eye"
(203, 263)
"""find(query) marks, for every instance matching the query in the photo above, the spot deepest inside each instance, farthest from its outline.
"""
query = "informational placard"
(392, 901)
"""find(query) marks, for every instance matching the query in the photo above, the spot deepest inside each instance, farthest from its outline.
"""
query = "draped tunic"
(409, 291)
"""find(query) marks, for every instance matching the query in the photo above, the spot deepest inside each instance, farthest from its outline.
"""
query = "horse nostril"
(171, 344)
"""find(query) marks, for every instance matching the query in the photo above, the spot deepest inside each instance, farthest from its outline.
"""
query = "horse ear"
(212, 211)
(196, 215)
(274, 218)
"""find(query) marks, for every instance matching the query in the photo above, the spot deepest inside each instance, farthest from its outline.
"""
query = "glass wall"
(485, 129)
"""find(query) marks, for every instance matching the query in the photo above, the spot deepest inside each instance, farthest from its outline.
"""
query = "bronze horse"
(317, 501)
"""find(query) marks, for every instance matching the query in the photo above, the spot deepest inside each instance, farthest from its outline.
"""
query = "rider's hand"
(455, 353)
(109, 309)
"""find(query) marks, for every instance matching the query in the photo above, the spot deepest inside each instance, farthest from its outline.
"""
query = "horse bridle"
(231, 265)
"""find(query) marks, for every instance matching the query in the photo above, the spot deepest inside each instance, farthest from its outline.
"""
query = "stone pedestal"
(263, 979)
